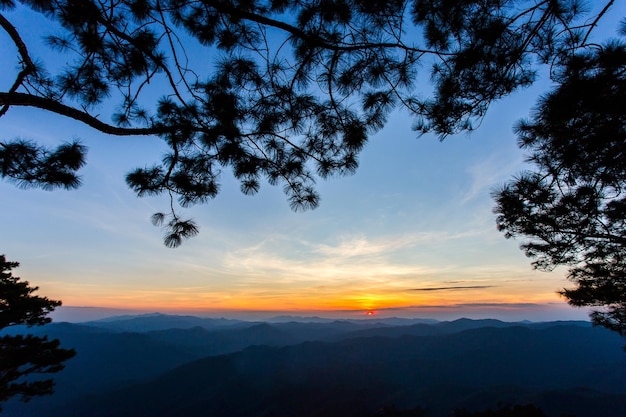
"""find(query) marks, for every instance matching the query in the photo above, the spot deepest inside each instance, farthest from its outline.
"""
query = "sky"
(410, 234)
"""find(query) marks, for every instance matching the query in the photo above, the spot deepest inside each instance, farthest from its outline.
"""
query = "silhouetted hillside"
(203, 342)
(156, 321)
(474, 368)
(376, 321)
(104, 360)
(446, 327)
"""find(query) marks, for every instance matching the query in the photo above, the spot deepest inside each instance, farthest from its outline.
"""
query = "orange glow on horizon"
(369, 300)
(285, 302)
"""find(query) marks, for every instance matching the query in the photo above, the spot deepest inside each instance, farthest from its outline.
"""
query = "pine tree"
(24, 357)
(571, 210)
(289, 93)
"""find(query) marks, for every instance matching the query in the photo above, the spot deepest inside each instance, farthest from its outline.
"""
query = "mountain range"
(161, 366)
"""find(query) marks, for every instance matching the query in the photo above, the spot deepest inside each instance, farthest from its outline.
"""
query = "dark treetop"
(24, 358)
(293, 91)
(295, 88)
(571, 209)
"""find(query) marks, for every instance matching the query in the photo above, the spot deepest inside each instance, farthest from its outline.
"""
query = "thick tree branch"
(28, 67)
(48, 104)
(316, 40)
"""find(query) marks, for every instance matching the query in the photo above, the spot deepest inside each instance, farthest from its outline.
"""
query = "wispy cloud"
(486, 174)
(355, 246)
(394, 262)
(503, 311)
(362, 246)
(466, 287)
(286, 259)
(468, 306)
(511, 305)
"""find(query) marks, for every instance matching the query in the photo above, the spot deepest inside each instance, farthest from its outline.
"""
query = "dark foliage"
(572, 208)
(25, 357)
(29, 165)
(293, 92)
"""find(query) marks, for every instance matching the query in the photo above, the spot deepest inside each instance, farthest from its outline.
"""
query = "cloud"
(381, 260)
(362, 246)
(396, 262)
(465, 306)
(508, 305)
(466, 287)
(487, 173)
(501, 311)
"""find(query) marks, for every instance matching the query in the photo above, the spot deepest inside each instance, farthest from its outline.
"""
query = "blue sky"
(410, 234)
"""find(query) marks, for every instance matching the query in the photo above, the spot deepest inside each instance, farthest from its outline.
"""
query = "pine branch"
(29, 100)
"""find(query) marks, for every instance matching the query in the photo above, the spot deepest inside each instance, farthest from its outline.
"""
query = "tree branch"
(48, 104)
(28, 67)
(315, 40)
(593, 24)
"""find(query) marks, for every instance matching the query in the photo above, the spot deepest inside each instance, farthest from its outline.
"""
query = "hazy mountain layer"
(345, 369)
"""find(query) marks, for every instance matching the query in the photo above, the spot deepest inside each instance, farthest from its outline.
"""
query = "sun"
(370, 313)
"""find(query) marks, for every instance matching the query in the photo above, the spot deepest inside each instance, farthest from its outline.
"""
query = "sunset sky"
(411, 234)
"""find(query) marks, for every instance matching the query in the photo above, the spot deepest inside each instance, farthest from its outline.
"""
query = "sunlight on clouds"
(288, 261)
(352, 273)
(304, 292)
(361, 246)
(359, 273)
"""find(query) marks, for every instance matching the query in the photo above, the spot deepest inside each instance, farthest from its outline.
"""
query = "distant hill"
(156, 321)
(118, 351)
(205, 342)
(391, 321)
(104, 360)
(568, 369)
(448, 327)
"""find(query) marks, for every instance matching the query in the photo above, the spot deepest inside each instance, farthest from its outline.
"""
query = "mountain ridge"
(349, 377)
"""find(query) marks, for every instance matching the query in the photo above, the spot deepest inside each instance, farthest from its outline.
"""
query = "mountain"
(392, 321)
(446, 327)
(203, 342)
(118, 351)
(157, 321)
(567, 368)
(104, 360)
